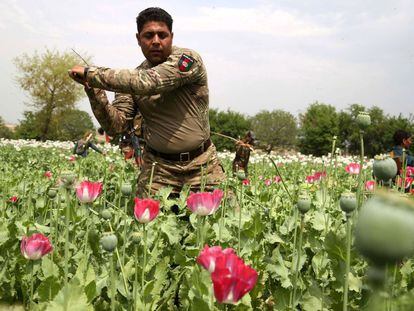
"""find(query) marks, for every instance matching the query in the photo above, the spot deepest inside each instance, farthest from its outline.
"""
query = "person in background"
(82, 145)
(243, 149)
(402, 143)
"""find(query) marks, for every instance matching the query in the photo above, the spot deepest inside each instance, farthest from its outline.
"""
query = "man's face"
(407, 143)
(155, 40)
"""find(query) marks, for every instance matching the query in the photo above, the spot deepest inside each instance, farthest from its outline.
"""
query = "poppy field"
(299, 233)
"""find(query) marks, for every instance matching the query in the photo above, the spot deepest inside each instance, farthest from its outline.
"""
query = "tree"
(230, 123)
(275, 128)
(72, 125)
(5, 132)
(45, 78)
(68, 125)
(318, 126)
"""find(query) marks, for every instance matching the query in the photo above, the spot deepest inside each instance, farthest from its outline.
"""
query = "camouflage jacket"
(172, 98)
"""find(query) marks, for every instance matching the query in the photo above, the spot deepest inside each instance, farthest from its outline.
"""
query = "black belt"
(183, 156)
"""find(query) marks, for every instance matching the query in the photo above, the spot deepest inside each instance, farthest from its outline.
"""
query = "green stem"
(67, 215)
(136, 278)
(348, 261)
(281, 179)
(295, 280)
(144, 261)
(240, 217)
(31, 285)
(120, 263)
(125, 230)
(361, 165)
(112, 282)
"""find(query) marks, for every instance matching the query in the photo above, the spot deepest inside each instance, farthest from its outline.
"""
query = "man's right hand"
(77, 74)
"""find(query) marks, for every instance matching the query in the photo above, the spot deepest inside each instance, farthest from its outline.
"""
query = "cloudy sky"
(260, 55)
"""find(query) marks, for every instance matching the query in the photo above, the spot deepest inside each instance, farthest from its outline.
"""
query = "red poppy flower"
(204, 203)
(48, 174)
(88, 191)
(146, 210)
(277, 179)
(268, 182)
(209, 255)
(310, 179)
(232, 279)
(35, 246)
(13, 199)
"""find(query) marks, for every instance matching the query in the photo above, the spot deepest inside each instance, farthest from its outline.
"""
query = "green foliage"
(52, 92)
(69, 124)
(229, 123)
(318, 126)
(5, 132)
(276, 128)
(377, 137)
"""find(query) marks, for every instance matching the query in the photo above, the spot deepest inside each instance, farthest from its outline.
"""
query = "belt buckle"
(184, 154)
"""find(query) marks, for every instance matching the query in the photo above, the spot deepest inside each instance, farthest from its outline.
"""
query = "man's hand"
(77, 74)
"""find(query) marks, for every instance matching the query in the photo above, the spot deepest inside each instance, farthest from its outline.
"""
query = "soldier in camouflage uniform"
(170, 90)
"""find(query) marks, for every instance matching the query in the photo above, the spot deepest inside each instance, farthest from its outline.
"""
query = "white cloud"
(273, 22)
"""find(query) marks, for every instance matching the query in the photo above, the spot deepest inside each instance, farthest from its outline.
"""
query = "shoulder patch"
(185, 63)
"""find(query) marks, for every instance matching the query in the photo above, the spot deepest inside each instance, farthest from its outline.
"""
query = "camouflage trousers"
(205, 169)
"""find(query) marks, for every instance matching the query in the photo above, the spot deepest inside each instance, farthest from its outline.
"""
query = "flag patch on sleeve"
(185, 63)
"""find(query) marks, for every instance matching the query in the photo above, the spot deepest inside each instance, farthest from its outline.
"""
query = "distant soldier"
(243, 149)
(170, 90)
(82, 145)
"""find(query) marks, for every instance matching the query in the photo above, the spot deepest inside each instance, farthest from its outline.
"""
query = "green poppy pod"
(67, 178)
(106, 214)
(348, 202)
(384, 232)
(136, 237)
(52, 193)
(363, 120)
(384, 168)
(109, 242)
(126, 189)
(304, 203)
(241, 175)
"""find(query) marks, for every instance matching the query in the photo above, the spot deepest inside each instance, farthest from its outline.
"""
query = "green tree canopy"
(5, 132)
(318, 126)
(276, 128)
(45, 78)
(230, 123)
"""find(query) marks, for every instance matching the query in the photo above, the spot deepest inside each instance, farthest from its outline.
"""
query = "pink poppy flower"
(268, 182)
(409, 171)
(246, 182)
(72, 158)
(48, 174)
(146, 210)
(370, 185)
(88, 191)
(407, 183)
(209, 255)
(204, 203)
(232, 279)
(260, 177)
(352, 168)
(35, 246)
(277, 179)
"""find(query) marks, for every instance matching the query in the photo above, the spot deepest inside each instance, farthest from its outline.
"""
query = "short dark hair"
(400, 135)
(154, 15)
